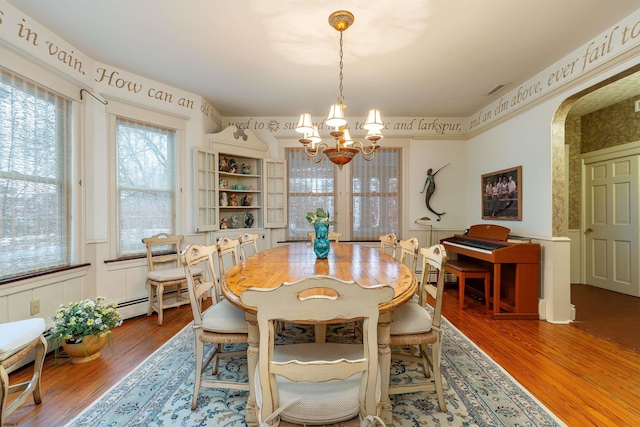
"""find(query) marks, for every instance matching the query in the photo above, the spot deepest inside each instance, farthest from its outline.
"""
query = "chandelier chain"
(340, 97)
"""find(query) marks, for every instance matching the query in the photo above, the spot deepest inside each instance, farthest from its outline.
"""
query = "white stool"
(17, 340)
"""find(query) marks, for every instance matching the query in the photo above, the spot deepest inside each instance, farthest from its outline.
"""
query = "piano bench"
(467, 270)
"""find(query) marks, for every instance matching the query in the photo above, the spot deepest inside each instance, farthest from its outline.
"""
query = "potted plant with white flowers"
(83, 328)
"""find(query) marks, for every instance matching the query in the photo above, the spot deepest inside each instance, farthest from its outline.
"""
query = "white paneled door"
(611, 225)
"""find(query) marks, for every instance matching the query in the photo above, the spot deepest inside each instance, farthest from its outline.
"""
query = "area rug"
(158, 392)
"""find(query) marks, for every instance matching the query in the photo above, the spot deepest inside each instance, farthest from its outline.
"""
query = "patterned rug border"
(459, 336)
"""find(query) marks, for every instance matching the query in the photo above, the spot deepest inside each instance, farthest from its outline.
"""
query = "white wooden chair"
(248, 241)
(227, 248)
(317, 383)
(388, 244)
(222, 323)
(334, 236)
(17, 340)
(165, 273)
(409, 250)
(413, 325)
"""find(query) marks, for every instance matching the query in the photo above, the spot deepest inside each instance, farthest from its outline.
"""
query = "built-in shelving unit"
(240, 191)
(237, 186)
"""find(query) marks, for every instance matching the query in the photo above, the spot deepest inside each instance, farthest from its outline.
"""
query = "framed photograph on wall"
(502, 194)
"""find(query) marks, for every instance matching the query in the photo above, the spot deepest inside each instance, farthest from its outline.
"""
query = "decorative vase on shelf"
(86, 350)
(321, 243)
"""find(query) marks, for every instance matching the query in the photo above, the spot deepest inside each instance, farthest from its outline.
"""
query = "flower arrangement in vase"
(319, 216)
(83, 328)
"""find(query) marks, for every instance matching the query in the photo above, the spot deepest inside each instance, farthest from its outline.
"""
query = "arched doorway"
(610, 105)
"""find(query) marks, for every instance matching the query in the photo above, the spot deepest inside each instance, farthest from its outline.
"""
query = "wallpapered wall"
(615, 125)
(572, 137)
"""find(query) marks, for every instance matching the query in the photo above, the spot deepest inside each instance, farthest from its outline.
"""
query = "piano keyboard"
(484, 247)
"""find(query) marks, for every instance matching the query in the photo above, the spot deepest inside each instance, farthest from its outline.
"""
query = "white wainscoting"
(576, 256)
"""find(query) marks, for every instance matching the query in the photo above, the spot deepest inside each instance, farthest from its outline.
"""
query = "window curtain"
(35, 175)
(311, 186)
(146, 164)
(376, 190)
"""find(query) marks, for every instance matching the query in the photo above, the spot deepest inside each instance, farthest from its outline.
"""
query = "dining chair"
(413, 325)
(409, 250)
(222, 323)
(333, 236)
(388, 244)
(227, 248)
(248, 241)
(165, 275)
(17, 340)
(317, 383)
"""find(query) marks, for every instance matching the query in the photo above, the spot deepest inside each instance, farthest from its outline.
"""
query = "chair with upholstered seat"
(317, 383)
(17, 340)
(165, 275)
(413, 325)
(388, 244)
(248, 244)
(222, 323)
(409, 250)
(334, 236)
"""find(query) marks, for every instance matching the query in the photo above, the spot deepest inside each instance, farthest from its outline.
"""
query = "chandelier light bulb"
(304, 124)
(347, 138)
(315, 136)
(336, 116)
(374, 121)
(374, 136)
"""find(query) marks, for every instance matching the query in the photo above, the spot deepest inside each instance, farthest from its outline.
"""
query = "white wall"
(522, 141)
(451, 182)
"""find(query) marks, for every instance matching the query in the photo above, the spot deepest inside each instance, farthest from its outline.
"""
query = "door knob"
(587, 231)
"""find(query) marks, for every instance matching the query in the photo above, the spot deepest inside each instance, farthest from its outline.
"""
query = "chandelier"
(344, 148)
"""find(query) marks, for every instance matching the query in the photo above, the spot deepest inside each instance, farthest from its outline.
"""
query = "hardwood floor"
(611, 315)
(584, 379)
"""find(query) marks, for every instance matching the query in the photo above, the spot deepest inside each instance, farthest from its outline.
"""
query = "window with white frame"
(145, 183)
(311, 186)
(371, 191)
(35, 177)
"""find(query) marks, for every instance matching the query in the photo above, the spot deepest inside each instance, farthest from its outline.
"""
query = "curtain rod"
(105, 102)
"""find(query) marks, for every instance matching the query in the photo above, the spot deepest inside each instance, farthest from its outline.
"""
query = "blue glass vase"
(321, 243)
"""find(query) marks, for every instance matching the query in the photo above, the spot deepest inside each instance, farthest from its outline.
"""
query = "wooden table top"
(365, 265)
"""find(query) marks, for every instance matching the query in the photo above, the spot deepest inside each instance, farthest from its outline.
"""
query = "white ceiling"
(280, 57)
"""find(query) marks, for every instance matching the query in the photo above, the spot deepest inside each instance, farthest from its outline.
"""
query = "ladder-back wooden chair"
(248, 244)
(413, 325)
(222, 323)
(165, 273)
(388, 244)
(409, 250)
(317, 383)
(333, 236)
(227, 248)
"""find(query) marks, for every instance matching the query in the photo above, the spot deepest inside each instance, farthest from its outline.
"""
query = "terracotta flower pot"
(87, 350)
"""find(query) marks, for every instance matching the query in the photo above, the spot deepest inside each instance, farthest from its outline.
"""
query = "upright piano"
(515, 267)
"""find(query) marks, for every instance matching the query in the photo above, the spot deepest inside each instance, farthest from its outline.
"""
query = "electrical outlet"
(35, 306)
(637, 104)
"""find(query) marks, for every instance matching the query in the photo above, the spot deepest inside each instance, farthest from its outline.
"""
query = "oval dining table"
(365, 265)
